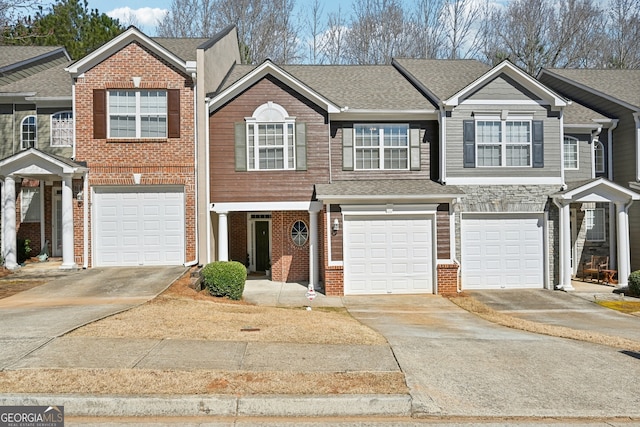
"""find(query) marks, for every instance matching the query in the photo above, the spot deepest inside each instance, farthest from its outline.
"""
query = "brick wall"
(289, 262)
(163, 161)
(447, 279)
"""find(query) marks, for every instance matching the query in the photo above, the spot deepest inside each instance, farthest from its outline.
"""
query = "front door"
(262, 245)
(56, 238)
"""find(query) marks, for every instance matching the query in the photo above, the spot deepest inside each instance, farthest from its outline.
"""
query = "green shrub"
(225, 279)
(634, 283)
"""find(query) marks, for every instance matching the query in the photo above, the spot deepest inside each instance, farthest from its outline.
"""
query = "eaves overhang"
(130, 35)
(263, 70)
(597, 190)
(507, 68)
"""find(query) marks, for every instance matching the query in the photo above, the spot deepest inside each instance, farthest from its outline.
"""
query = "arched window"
(598, 151)
(62, 129)
(28, 132)
(271, 139)
(570, 153)
(299, 233)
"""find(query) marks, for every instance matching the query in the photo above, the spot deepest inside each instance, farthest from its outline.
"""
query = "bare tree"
(623, 35)
(12, 11)
(333, 45)
(427, 29)
(378, 32)
(315, 31)
(461, 20)
(188, 18)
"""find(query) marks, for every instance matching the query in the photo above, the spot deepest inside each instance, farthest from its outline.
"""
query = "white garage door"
(505, 252)
(388, 255)
(136, 226)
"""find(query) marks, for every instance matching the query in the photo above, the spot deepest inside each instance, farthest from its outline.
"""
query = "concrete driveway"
(70, 299)
(457, 364)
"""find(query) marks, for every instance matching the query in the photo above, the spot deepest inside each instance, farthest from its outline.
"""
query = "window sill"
(136, 140)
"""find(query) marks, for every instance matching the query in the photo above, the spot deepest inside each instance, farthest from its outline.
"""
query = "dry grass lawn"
(181, 312)
(474, 306)
(629, 307)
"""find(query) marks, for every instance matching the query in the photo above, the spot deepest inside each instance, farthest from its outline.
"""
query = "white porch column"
(565, 247)
(9, 251)
(624, 257)
(68, 254)
(223, 237)
(313, 249)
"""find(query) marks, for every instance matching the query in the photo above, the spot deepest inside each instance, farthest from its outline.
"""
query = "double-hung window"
(595, 224)
(137, 113)
(381, 146)
(570, 153)
(271, 139)
(28, 132)
(62, 129)
(503, 142)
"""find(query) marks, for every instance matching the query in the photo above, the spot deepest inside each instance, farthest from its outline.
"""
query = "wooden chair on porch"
(595, 267)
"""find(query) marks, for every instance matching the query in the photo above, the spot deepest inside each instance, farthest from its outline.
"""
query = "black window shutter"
(469, 144)
(537, 137)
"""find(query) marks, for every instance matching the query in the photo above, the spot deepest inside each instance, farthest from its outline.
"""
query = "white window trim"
(381, 147)
(503, 143)
(602, 232)
(595, 157)
(577, 159)
(138, 114)
(51, 118)
(26, 201)
(35, 132)
(270, 114)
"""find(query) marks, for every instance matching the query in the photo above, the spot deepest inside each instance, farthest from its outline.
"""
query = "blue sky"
(147, 12)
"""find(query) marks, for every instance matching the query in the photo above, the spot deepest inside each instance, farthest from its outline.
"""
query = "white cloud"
(145, 18)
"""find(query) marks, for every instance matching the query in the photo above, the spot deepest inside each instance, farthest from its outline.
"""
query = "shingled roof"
(623, 85)
(10, 55)
(359, 87)
(443, 78)
(183, 48)
(390, 189)
(52, 82)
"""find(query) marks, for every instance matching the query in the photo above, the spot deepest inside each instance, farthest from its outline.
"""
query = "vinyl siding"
(502, 88)
(429, 142)
(585, 148)
(229, 185)
(552, 158)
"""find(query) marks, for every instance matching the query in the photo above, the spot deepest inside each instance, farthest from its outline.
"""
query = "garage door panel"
(505, 252)
(388, 255)
(136, 226)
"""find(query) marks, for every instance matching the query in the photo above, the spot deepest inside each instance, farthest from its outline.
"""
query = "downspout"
(442, 121)
(208, 177)
(329, 136)
(614, 124)
(613, 252)
(636, 117)
(562, 149)
(73, 108)
(195, 166)
(85, 190)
